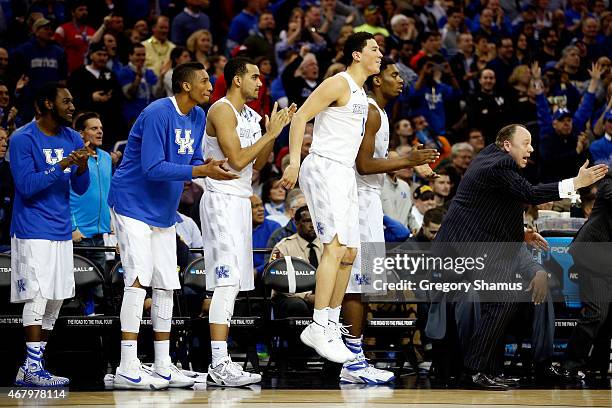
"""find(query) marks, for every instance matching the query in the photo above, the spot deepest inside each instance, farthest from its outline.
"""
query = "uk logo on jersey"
(320, 228)
(21, 285)
(362, 280)
(222, 271)
(185, 143)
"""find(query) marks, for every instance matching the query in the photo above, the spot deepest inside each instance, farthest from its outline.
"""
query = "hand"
(12, 115)
(595, 71)
(426, 172)
(79, 157)
(587, 176)
(77, 236)
(116, 157)
(539, 286)
(583, 142)
(215, 169)
(101, 96)
(279, 119)
(165, 68)
(304, 49)
(419, 156)
(536, 71)
(290, 176)
(23, 81)
(437, 75)
(535, 240)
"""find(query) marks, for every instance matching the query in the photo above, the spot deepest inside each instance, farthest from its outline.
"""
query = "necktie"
(312, 255)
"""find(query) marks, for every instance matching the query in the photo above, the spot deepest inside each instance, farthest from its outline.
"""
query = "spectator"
(217, 63)
(487, 109)
(74, 36)
(4, 67)
(402, 29)
(403, 134)
(570, 65)
(423, 199)
(396, 195)
(262, 230)
(429, 93)
(301, 77)
(158, 47)
(273, 197)
(113, 24)
(41, 61)
(441, 186)
(304, 245)
(188, 231)
(110, 43)
(425, 20)
(90, 213)
(333, 21)
(425, 136)
(200, 45)
(137, 83)
(294, 200)
(592, 39)
(452, 30)
(191, 19)
(505, 62)
(8, 113)
(522, 50)
(461, 157)
(563, 146)
(431, 44)
(464, 64)
(601, 149)
(95, 88)
(372, 23)
(403, 65)
(261, 42)
(476, 140)
(548, 51)
(52, 10)
(432, 220)
(306, 141)
(243, 23)
(178, 55)
(485, 26)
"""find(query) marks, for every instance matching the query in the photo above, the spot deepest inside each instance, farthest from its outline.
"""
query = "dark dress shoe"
(571, 376)
(484, 382)
(548, 373)
(506, 380)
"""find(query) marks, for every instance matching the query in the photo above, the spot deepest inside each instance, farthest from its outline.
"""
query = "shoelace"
(231, 367)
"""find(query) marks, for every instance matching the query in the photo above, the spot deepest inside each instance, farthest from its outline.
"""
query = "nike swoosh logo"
(164, 377)
(355, 90)
(134, 380)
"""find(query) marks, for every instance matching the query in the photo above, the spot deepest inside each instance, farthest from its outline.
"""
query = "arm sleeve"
(153, 154)
(79, 182)
(197, 158)
(527, 266)
(510, 181)
(544, 116)
(585, 109)
(394, 230)
(27, 180)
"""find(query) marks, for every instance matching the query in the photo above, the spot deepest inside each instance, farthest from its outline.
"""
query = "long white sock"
(162, 352)
(33, 356)
(321, 316)
(219, 351)
(334, 314)
(129, 352)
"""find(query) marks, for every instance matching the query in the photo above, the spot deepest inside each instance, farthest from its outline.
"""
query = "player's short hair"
(355, 42)
(385, 62)
(184, 73)
(506, 133)
(235, 67)
(132, 48)
(434, 215)
(82, 118)
(48, 92)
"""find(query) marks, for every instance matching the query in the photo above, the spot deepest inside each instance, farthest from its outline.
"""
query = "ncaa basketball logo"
(185, 143)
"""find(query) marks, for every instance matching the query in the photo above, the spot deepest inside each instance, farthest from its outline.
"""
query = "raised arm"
(326, 94)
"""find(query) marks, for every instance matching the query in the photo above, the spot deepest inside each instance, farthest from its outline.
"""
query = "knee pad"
(222, 304)
(161, 310)
(131, 309)
(33, 311)
(51, 313)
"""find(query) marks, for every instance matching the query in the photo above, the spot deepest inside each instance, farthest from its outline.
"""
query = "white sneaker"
(39, 378)
(134, 377)
(170, 373)
(359, 371)
(229, 374)
(337, 330)
(325, 343)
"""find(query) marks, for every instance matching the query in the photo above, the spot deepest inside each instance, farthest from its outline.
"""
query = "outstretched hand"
(589, 175)
(419, 155)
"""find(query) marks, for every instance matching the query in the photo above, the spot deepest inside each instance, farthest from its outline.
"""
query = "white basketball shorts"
(372, 235)
(227, 232)
(41, 266)
(147, 253)
(330, 189)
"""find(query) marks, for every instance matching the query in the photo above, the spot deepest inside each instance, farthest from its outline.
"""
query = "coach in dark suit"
(488, 208)
(591, 253)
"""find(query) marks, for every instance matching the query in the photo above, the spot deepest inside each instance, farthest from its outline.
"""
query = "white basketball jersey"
(249, 131)
(375, 182)
(338, 130)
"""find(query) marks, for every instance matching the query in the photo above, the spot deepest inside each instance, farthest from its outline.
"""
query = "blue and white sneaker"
(134, 377)
(170, 373)
(39, 378)
(359, 371)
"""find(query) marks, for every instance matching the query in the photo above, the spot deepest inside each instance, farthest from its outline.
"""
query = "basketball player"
(47, 157)
(233, 131)
(164, 150)
(371, 166)
(328, 181)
